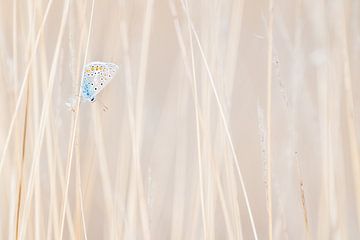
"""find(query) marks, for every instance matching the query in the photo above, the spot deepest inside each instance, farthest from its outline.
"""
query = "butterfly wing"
(96, 76)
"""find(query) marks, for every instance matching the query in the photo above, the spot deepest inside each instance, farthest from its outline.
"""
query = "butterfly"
(96, 76)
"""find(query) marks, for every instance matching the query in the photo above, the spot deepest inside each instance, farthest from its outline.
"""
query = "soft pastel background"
(228, 119)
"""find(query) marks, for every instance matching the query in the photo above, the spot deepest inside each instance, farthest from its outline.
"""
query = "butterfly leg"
(105, 108)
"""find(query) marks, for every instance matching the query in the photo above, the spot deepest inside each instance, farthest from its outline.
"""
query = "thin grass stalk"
(17, 136)
(298, 51)
(198, 134)
(76, 64)
(350, 113)
(49, 135)
(128, 225)
(268, 113)
(104, 173)
(177, 224)
(21, 166)
(53, 209)
(178, 206)
(82, 213)
(323, 112)
(139, 104)
(13, 221)
(233, 43)
(62, 182)
(225, 209)
(122, 176)
(39, 229)
(123, 168)
(196, 211)
(231, 60)
(34, 76)
(79, 188)
(73, 130)
(12, 206)
(15, 46)
(205, 109)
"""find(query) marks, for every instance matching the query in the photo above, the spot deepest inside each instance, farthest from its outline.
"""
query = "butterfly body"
(95, 77)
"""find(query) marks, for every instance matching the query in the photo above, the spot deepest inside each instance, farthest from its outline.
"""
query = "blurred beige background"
(227, 120)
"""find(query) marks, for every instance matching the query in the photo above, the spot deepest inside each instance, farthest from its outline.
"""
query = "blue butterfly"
(96, 76)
